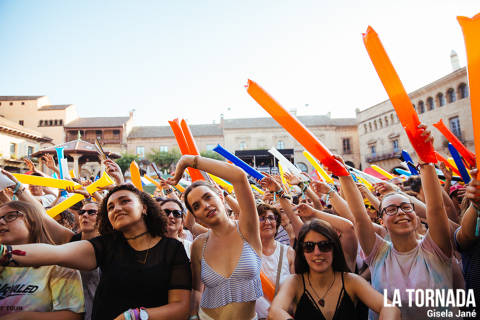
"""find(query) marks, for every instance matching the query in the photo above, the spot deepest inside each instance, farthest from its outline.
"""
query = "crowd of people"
(330, 251)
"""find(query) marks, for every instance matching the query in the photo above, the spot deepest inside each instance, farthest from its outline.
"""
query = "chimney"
(221, 120)
(130, 113)
(454, 60)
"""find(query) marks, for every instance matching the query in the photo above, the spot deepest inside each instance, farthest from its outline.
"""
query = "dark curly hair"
(155, 219)
(326, 230)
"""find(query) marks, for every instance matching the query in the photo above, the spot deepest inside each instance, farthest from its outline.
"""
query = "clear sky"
(191, 59)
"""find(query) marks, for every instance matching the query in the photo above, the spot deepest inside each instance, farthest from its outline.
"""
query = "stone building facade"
(37, 113)
(382, 137)
(260, 134)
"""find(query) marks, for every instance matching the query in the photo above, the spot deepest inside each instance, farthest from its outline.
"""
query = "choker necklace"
(137, 236)
(321, 301)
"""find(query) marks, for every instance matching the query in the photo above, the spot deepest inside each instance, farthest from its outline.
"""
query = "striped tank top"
(242, 286)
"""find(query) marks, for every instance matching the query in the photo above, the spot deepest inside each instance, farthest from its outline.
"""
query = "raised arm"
(363, 225)
(76, 255)
(248, 219)
(436, 215)
(284, 299)
(467, 235)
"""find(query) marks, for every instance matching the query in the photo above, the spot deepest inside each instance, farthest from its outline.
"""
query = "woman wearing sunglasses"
(88, 226)
(174, 211)
(322, 287)
(50, 292)
(405, 262)
(144, 275)
(226, 259)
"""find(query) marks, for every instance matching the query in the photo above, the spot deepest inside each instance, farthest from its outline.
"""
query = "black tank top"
(307, 308)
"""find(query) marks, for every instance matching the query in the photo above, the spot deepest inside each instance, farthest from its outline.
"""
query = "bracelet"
(421, 165)
(17, 187)
(143, 314)
(127, 315)
(195, 161)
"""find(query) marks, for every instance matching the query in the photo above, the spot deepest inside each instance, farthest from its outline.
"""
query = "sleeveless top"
(242, 286)
(307, 308)
(269, 268)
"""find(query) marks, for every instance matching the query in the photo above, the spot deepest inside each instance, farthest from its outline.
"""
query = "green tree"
(163, 159)
(212, 155)
(125, 160)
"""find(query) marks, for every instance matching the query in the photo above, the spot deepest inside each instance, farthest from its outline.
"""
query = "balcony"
(394, 154)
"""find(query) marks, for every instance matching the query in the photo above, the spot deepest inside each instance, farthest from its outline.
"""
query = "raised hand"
(447, 172)
(383, 187)
(320, 187)
(49, 162)
(79, 190)
(304, 210)
(270, 183)
(30, 164)
(113, 170)
(182, 164)
(472, 191)
(292, 179)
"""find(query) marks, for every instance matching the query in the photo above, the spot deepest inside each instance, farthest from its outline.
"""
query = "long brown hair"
(34, 220)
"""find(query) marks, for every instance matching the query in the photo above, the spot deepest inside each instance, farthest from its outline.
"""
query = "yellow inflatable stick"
(317, 167)
(45, 182)
(104, 181)
(382, 172)
(254, 187)
(135, 175)
(284, 181)
(365, 182)
(224, 184)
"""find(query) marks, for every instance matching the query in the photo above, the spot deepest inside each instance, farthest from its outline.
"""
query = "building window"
(380, 123)
(421, 107)
(141, 152)
(60, 122)
(440, 99)
(370, 126)
(346, 146)
(40, 123)
(451, 95)
(392, 119)
(13, 149)
(11, 103)
(365, 127)
(163, 148)
(116, 133)
(375, 124)
(210, 147)
(462, 91)
(373, 150)
(29, 151)
(280, 144)
(23, 103)
(386, 121)
(395, 145)
(20, 122)
(430, 105)
(50, 122)
(455, 127)
(55, 123)
(243, 145)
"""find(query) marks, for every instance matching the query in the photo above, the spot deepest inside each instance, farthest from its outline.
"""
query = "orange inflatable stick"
(267, 287)
(304, 136)
(135, 175)
(192, 146)
(184, 147)
(447, 163)
(398, 96)
(471, 35)
(457, 144)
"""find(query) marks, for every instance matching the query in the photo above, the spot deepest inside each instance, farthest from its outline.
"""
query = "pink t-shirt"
(423, 267)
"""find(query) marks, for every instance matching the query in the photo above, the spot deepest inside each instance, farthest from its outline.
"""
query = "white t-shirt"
(43, 289)
(269, 268)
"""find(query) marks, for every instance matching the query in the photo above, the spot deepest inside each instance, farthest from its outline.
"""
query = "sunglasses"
(323, 246)
(90, 212)
(176, 213)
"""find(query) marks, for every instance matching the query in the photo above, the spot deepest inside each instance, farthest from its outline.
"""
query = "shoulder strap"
(238, 229)
(279, 269)
(205, 243)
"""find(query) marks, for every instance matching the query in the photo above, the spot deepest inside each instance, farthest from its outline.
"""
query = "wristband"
(328, 194)
(421, 165)
(143, 314)
(17, 186)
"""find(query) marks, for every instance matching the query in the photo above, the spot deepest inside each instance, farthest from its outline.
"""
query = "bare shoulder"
(197, 244)
(354, 282)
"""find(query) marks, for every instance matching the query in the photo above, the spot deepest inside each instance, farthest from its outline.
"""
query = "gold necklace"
(321, 301)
